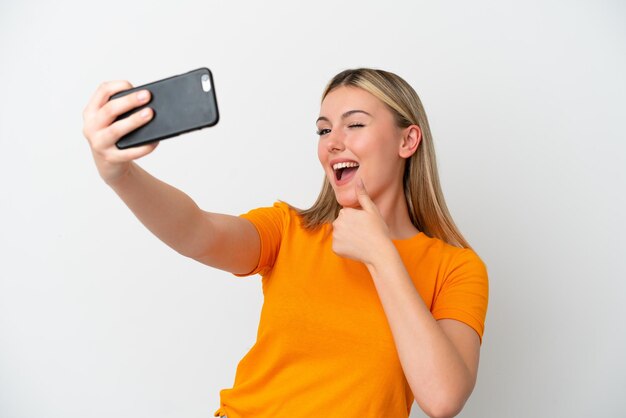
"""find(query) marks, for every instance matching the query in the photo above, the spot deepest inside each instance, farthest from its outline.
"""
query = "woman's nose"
(335, 143)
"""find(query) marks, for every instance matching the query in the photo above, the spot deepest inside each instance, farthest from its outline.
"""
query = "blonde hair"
(427, 208)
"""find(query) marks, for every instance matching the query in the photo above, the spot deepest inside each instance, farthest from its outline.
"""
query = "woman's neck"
(394, 210)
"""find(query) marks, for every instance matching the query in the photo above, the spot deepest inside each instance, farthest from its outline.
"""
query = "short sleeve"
(270, 224)
(465, 292)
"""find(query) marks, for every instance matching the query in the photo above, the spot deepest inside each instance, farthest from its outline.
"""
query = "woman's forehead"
(347, 98)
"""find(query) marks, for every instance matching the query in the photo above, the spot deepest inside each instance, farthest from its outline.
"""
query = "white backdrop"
(526, 100)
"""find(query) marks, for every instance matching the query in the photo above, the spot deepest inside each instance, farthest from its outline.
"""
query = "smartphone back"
(181, 104)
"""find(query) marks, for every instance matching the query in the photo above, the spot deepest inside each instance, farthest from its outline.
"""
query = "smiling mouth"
(345, 169)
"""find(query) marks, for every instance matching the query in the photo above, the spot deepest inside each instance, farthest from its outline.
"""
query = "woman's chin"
(347, 201)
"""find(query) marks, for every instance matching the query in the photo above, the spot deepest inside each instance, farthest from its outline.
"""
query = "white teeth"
(345, 165)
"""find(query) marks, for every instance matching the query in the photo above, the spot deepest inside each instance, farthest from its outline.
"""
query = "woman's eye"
(323, 131)
(356, 125)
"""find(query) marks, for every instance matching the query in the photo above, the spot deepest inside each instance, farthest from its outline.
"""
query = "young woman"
(372, 297)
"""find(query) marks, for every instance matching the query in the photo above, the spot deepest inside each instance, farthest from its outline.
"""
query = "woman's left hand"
(359, 233)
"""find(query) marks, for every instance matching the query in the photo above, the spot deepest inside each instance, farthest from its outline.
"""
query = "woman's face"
(358, 139)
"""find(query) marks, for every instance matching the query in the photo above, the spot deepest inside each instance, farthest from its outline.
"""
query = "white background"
(526, 101)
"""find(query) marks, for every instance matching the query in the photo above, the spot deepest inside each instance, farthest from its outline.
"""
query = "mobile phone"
(181, 104)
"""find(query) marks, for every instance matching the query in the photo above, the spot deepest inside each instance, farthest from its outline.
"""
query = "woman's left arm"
(439, 358)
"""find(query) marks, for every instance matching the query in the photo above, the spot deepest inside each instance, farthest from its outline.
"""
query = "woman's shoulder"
(280, 214)
(438, 251)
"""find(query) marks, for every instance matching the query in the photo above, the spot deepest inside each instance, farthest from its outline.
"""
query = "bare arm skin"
(439, 358)
(226, 242)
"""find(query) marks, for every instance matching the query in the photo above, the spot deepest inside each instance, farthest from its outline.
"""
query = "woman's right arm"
(226, 242)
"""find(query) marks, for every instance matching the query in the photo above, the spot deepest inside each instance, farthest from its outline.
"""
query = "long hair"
(422, 190)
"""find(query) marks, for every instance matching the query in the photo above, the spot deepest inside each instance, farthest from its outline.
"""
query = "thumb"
(364, 198)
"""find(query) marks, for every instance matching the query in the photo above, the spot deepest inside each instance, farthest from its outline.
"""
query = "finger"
(364, 199)
(130, 154)
(102, 94)
(116, 107)
(110, 135)
(138, 152)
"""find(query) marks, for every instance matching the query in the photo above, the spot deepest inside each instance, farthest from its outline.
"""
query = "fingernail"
(142, 96)
(145, 113)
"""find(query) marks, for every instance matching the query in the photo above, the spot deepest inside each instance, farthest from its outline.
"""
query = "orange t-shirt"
(324, 346)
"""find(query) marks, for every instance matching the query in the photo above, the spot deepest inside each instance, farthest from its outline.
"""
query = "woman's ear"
(411, 138)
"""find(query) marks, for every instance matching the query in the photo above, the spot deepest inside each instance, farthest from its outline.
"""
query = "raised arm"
(222, 241)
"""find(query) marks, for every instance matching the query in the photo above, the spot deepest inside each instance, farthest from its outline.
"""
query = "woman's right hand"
(102, 131)
(226, 242)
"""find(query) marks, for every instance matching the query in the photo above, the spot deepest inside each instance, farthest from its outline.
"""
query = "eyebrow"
(345, 115)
